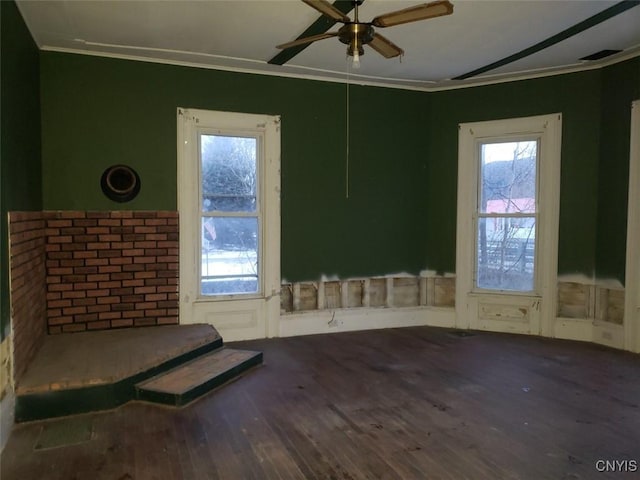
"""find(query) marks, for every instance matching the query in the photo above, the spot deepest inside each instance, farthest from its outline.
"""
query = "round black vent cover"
(120, 183)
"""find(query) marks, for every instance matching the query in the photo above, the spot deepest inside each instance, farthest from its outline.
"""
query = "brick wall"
(111, 269)
(28, 287)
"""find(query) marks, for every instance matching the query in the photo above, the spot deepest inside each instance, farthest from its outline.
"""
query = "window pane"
(508, 177)
(228, 173)
(229, 255)
(506, 250)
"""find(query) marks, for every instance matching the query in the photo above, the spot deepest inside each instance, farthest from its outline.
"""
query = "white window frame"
(238, 316)
(548, 128)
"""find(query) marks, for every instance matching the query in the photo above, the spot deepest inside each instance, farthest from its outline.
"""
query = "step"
(191, 380)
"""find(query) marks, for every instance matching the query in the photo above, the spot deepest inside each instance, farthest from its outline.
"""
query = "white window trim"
(632, 277)
(264, 307)
(549, 129)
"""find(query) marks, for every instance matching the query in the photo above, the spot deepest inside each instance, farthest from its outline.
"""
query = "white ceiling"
(241, 35)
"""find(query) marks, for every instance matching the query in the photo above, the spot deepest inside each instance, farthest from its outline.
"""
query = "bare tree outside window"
(506, 217)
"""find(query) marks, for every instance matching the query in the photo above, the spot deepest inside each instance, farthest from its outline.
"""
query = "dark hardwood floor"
(413, 403)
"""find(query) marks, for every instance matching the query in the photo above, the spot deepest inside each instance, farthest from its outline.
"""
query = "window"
(230, 214)
(506, 216)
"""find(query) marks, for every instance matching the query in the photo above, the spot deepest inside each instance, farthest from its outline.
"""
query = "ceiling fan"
(356, 34)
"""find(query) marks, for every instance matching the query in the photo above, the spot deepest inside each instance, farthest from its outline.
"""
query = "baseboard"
(7, 416)
(609, 334)
(580, 329)
(588, 330)
(347, 320)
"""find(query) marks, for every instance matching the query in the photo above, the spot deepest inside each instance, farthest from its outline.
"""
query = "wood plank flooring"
(412, 403)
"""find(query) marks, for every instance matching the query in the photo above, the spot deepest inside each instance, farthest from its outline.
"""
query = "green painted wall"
(401, 211)
(20, 132)
(97, 112)
(577, 97)
(620, 86)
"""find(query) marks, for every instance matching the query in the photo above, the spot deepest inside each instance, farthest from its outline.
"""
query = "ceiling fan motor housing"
(355, 35)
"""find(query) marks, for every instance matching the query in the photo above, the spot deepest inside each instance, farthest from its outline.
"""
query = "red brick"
(61, 239)
(121, 245)
(75, 294)
(76, 327)
(59, 303)
(145, 244)
(72, 231)
(85, 254)
(133, 298)
(111, 238)
(154, 297)
(84, 301)
(133, 314)
(71, 214)
(54, 312)
(98, 308)
(146, 289)
(155, 221)
(60, 255)
(120, 261)
(61, 271)
(109, 222)
(121, 323)
(107, 300)
(110, 269)
(85, 286)
(145, 322)
(167, 320)
(109, 315)
(98, 293)
(161, 237)
(58, 223)
(89, 317)
(60, 287)
(109, 253)
(133, 283)
(96, 261)
(86, 222)
(85, 238)
(74, 310)
(144, 229)
(73, 247)
(139, 267)
(74, 278)
(144, 214)
(120, 307)
(148, 275)
(99, 325)
(49, 280)
(146, 305)
(78, 262)
(98, 246)
(122, 291)
(98, 230)
(100, 277)
(121, 214)
(110, 284)
(52, 248)
(60, 320)
(122, 276)
(144, 260)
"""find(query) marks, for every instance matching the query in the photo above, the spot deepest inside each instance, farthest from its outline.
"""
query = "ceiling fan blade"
(327, 9)
(413, 14)
(312, 38)
(385, 47)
